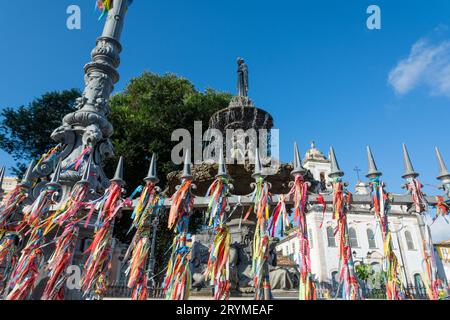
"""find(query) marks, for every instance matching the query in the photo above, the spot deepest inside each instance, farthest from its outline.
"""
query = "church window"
(353, 238)
(419, 285)
(409, 241)
(330, 237)
(371, 239)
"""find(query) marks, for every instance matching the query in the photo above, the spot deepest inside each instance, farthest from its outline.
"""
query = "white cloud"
(440, 230)
(428, 65)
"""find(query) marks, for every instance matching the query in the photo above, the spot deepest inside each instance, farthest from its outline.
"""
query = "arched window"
(409, 241)
(323, 182)
(371, 239)
(353, 238)
(419, 285)
(334, 280)
(330, 237)
(376, 267)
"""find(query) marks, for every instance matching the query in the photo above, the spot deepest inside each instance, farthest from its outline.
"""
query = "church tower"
(317, 164)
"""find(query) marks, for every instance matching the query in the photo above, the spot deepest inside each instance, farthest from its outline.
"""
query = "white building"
(8, 184)
(364, 232)
(443, 251)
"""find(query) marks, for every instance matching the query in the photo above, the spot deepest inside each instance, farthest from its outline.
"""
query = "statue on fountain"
(242, 99)
(242, 78)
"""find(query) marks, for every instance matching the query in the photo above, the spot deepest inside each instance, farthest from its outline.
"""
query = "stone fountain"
(241, 114)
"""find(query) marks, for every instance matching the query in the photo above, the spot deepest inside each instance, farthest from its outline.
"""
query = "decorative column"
(261, 239)
(418, 208)
(380, 204)
(444, 175)
(341, 199)
(88, 130)
(152, 178)
(2, 176)
(307, 287)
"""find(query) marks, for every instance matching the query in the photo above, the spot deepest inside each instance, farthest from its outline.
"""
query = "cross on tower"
(357, 170)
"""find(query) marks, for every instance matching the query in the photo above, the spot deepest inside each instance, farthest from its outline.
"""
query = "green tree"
(144, 116)
(148, 111)
(25, 131)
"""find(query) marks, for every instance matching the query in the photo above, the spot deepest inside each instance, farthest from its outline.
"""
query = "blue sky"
(313, 64)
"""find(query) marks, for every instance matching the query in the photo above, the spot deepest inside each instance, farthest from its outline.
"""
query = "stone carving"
(240, 268)
(63, 134)
(91, 136)
(242, 78)
(280, 278)
(106, 149)
(84, 118)
(98, 88)
(199, 262)
(88, 126)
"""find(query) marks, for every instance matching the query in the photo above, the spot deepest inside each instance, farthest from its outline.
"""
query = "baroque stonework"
(85, 133)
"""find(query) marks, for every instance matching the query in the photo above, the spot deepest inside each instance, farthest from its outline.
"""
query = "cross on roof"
(357, 170)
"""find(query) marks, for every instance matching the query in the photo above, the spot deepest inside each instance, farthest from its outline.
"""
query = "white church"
(364, 233)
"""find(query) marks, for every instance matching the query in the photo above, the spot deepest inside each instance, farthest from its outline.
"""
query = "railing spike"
(187, 170)
(298, 167)
(409, 169)
(258, 167)
(27, 180)
(222, 170)
(2, 176)
(152, 175)
(443, 172)
(87, 171)
(372, 172)
(118, 176)
(56, 175)
(335, 170)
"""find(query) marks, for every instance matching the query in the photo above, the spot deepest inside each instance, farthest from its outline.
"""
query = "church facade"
(364, 233)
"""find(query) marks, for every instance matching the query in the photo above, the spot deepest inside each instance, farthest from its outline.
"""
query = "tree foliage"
(144, 116)
(25, 131)
(148, 111)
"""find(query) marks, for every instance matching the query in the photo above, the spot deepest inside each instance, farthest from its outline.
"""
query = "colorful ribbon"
(8, 257)
(149, 205)
(69, 218)
(442, 209)
(177, 284)
(415, 188)
(280, 216)
(98, 263)
(218, 202)
(431, 280)
(347, 278)
(106, 5)
(59, 261)
(11, 204)
(261, 242)
(218, 270)
(182, 204)
(25, 275)
(307, 289)
(391, 262)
